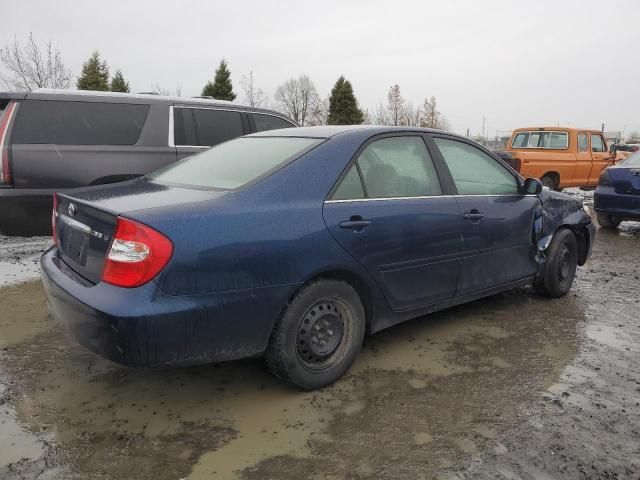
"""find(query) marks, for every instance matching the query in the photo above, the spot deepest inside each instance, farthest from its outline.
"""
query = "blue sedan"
(292, 244)
(617, 196)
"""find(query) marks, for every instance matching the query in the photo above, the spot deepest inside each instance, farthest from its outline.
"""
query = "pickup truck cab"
(560, 157)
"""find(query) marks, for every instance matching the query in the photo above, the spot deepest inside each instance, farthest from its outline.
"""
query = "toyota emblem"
(72, 209)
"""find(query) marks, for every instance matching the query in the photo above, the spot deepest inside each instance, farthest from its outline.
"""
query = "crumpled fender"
(556, 210)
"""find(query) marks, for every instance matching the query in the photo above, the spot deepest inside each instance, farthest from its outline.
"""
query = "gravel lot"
(515, 386)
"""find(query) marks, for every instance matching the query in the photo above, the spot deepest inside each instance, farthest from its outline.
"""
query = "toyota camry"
(293, 244)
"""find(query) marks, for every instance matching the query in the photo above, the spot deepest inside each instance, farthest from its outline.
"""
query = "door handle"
(473, 215)
(355, 223)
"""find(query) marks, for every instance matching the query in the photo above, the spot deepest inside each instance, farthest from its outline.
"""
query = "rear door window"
(203, 127)
(350, 187)
(398, 167)
(270, 122)
(79, 123)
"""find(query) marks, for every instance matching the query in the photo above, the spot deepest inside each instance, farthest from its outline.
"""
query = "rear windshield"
(234, 163)
(79, 123)
(550, 140)
(632, 160)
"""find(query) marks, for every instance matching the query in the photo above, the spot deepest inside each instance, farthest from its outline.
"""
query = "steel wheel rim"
(566, 262)
(321, 332)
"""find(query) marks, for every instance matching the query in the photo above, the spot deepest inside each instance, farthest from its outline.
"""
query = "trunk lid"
(625, 179)
(86, 219)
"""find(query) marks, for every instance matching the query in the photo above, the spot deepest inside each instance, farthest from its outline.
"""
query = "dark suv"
(54, 140)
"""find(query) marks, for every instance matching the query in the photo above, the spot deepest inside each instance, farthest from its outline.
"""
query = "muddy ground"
(515, 386)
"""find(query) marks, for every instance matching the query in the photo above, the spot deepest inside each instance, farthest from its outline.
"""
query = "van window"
(520, 140)
(79, 123)
(597, 144)
(541, 139)
(270, 122)
(583, 142)
(205, 127)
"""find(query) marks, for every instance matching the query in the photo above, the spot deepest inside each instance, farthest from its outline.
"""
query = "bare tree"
(253, 96)
(395, 105)
(412, 115)
(380, 115)
(159, 90)
(298, 98)
(30, 67)
(443, 124)
(430, 114)
(320, 114)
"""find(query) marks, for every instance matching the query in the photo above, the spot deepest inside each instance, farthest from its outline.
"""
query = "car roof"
(147, 98)
(328, 131)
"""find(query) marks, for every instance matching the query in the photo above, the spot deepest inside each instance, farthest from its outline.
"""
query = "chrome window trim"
(171, 128)
(426, 197)
(254, 112)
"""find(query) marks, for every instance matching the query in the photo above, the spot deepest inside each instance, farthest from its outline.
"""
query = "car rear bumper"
(25, 212)
(143, 327)
(607, 201)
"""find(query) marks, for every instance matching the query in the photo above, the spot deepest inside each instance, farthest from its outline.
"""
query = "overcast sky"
(515, 63)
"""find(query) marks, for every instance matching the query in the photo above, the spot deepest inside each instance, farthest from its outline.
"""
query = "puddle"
(19, 258)
(448, 383)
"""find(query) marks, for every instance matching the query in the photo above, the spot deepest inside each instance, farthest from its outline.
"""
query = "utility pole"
(483, 122)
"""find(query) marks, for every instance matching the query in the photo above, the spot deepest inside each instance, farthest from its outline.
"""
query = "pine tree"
(119, 84)
(343, 106)
(95, 74)
(221, 88)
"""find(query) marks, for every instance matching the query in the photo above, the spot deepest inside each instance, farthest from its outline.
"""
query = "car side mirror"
(532, 186)
(613, 148)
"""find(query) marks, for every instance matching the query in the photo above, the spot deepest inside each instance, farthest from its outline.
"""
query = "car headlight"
(586, 209)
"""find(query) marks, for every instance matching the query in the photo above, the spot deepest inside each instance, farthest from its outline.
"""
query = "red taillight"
(54, 219)
(5, 172)
(137, 254)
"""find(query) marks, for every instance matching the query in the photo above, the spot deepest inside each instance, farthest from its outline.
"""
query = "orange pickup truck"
(560, 157)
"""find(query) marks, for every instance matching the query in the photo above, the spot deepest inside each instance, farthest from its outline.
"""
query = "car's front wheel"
(607, 221)
(318, 336)
(561, 265)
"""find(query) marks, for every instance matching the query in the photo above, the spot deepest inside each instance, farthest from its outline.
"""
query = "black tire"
(548, 181)
(318, 336)
(561, 265)
(607, 221)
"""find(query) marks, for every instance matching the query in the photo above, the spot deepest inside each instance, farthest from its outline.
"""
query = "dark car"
(52, 140)
(617, 196)
(292, 244)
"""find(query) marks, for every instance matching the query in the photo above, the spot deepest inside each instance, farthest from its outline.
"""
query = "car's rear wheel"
(561, 265)
(318, 336)
(607, 221)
